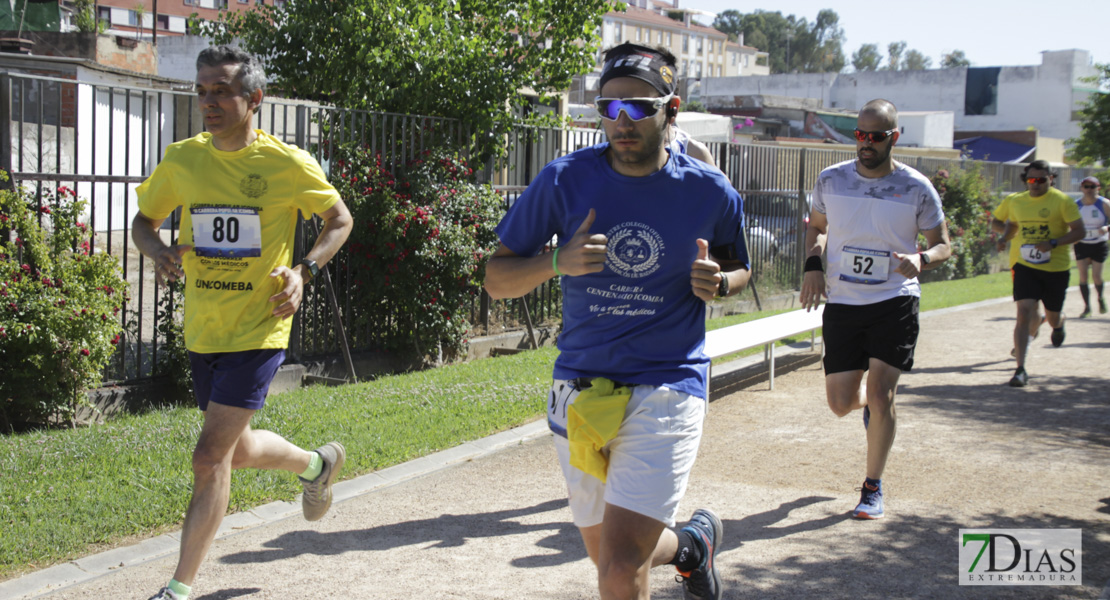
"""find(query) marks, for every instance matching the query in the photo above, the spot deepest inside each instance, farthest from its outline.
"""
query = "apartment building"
(701, 51)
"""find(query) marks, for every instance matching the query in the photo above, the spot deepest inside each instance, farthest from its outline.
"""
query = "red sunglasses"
(875, 137)
(1036, 180)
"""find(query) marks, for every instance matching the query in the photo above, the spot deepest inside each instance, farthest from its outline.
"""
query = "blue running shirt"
(637, 321)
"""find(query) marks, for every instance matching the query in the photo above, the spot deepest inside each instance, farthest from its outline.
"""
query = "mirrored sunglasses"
(1036, 180)
(875, 137)
(637, 109)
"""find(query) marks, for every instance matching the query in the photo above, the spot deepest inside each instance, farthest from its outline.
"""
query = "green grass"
(68, 493)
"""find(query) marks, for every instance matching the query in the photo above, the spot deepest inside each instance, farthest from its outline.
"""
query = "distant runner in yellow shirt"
(1042, 221)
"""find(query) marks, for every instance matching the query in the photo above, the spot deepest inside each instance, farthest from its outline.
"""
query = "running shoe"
(1020, 378)
(870, 501)
(165, 594)
(1086, 313)
(1057, 336)
(1101, 306)
(866, 416)
(317, 493)
(704, 582)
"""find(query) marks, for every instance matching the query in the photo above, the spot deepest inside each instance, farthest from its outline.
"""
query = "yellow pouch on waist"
(592, 420)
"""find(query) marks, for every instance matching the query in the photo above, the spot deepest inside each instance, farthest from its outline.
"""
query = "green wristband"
(555, 262)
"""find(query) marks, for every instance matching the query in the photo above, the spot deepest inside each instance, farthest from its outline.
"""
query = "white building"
(700, 51)
(1045, 97)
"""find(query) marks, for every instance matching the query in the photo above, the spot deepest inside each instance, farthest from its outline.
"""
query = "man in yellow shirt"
(240, 190)
(1042, 221)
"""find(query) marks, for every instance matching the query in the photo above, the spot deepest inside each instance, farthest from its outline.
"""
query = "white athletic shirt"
(1093, 219)
(870, 220)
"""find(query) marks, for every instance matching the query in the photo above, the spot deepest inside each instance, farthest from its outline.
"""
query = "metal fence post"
(6, 129)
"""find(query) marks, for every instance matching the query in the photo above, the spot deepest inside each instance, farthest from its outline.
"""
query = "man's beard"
(879, 158)
(650, 144)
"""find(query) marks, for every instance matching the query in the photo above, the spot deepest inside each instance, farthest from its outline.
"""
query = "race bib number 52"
(226, 231)
(863, 265)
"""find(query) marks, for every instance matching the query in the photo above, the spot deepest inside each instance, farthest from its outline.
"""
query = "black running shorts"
(1049, 287)
(886, 330)
(1096, 252)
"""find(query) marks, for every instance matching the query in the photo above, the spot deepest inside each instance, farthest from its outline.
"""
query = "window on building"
(697, 44)
(659, 39)
(617, 32)
(745, 60)
(163, 22)
(734, 59)
(638, 38)
(668, 39)
(981, 91)
(697, 70)
(685, 67)
(685, 43)
(104, 13)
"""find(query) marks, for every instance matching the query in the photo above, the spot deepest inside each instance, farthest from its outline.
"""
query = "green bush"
(967, 200)
(59, 317)
(418, 248)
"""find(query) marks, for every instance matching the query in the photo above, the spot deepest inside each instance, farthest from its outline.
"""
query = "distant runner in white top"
(1091, 251)
(868, 213)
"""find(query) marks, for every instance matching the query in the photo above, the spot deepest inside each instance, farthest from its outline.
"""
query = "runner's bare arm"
(509, 275)
(1075, 233)
(167, 259)
(938, 249)
(813, 282)
(337, 226)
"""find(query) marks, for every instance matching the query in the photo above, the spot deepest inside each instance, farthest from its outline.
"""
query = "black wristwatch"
(1053, 243)
(311, 266)
(722, 288)
(924, 258)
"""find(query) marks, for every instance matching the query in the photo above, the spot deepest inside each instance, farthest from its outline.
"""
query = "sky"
(991, 33)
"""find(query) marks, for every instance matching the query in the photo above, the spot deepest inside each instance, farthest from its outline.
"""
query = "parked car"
(777, 212)
(761, 243)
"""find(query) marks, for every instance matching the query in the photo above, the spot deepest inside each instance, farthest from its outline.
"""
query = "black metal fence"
(103, 140)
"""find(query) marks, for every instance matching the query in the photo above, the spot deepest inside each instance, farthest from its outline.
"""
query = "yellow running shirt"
(239, 212)
(1039, 219)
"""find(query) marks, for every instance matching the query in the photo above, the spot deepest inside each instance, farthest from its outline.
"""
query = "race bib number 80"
(863, 265)
(226, 231)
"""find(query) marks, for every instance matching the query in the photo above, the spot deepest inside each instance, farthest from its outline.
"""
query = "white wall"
(1043, 96)
(926, 129)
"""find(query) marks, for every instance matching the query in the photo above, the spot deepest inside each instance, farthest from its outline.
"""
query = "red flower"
(84, 351)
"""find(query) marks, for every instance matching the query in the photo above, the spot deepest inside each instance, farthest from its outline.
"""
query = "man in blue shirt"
(635, 226)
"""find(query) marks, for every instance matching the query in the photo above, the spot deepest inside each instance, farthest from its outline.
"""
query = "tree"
(916, 61)
(954, 59)
(867, 58)
(460, 59)
(730, 23)
(894, 55)
(84, 17)
(1093, 143)
(793, 43)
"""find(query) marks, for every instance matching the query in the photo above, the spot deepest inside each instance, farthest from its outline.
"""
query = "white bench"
(763, 332)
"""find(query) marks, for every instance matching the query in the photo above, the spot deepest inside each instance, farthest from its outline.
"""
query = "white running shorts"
(649, 461)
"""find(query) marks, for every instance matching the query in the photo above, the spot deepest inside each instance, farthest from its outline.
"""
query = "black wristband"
(814, 263)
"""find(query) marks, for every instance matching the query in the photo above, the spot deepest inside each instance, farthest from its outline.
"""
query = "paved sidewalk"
(489, 519)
